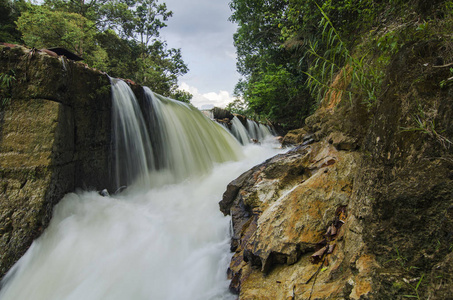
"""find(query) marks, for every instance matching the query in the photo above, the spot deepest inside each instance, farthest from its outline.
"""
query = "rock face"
(362, 208)
(281, 214)
(54, 138)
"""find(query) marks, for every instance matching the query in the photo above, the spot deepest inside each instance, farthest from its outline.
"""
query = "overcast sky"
(202, 30)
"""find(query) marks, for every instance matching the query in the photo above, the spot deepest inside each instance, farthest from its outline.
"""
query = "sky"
(202, 30)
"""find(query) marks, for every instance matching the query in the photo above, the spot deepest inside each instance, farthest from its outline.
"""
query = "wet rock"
(221, 114)
(54, 138)
(395, 185)
(342, 142)
(296, 136)
(282, 209)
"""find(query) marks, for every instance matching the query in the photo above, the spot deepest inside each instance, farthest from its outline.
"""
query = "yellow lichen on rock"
(276, 241)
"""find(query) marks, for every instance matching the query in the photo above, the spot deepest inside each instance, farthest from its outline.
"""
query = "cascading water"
(257, 131)
(239, 131)
(264, 131)
(189, 142)
(132, 146)
(272, 130)
(254, 132)
(165, 242)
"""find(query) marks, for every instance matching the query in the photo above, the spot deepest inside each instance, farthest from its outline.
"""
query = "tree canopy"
(271, 85)
(290, 50)
(120, 37)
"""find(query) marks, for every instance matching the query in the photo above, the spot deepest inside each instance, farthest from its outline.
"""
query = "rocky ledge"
(292, 227)
(362, 207)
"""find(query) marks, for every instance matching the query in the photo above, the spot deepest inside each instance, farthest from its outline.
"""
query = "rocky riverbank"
(362, 207)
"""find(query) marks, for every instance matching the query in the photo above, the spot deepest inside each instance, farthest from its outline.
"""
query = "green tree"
(159, 68)
(274, 45)
(9, 12)
(42, 27)
(273, 84)
(119, 37)
(238, 106)
(258, 33)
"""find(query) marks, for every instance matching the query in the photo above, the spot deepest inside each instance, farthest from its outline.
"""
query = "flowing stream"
(164, 236)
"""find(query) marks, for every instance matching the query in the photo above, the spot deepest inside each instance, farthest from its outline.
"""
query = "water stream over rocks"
(161, 238)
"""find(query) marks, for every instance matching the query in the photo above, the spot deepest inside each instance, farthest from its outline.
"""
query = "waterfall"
(253, 131)
(208, 113)
(257, 131)
(239, 131)
(132, 146)
(63, 63)
(190, 143)
(160, 239)
(264, 131)
(272, 130)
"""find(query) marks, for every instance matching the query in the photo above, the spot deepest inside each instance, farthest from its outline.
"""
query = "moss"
(58, 118)
(103, 92)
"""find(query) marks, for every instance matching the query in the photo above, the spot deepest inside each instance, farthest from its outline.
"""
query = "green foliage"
(290, 51)
(266, 92)
(6, 82)
(312, 41)
(272, 85)
(118, 37)
(352, 16)
(447, 81)
(424, 122)
(238, 106)
(402, 262)
(154, 65)
(159, 68)
(258, 36)
(182, 96)
(337, 60)
(9, 12)
(42, 27)
(121, 53)
(389, 43)
(415, 289)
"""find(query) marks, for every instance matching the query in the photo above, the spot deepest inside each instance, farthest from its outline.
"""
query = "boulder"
(280, 211)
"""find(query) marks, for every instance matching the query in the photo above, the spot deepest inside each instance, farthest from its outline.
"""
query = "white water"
(258, 131)
(190, 142)
(133, 161)
(157, 242)
(239, 131)
(165, 243)
(265, 132)
(253, 131)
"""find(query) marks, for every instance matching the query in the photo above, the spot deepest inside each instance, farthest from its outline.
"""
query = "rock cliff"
(362, 207)
(54, 138)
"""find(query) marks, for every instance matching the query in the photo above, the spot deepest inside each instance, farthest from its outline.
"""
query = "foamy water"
(168, 242)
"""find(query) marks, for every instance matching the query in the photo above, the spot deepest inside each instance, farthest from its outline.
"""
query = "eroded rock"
(54, 138)
(396, 186)
(280, 214)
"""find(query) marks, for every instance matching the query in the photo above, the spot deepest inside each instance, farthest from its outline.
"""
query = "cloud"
(202, 30)
(199, 100)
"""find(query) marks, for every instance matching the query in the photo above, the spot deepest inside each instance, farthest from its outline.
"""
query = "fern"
(337, 59)
(6, 82)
